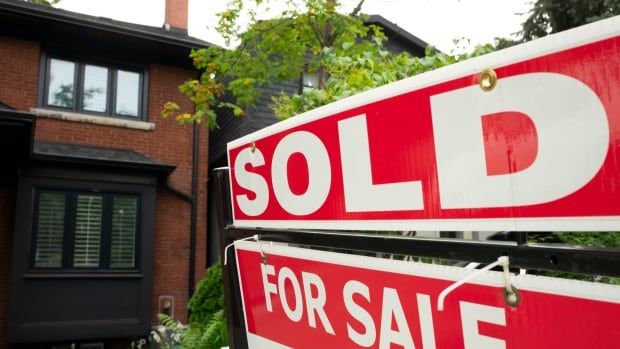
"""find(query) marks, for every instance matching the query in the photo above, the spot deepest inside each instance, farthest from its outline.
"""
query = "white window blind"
(50, 230)
(89, 209)
(124, 224)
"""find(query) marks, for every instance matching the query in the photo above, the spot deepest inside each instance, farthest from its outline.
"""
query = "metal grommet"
(488, 80)
(513, 298)
(253, 147)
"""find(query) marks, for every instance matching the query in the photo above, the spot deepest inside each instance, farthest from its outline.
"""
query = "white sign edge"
(598, 223)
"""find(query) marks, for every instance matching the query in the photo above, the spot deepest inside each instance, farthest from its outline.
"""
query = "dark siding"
(257, 117)
(399, 45)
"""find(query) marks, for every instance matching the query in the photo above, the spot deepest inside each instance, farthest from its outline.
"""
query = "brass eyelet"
(487, 80)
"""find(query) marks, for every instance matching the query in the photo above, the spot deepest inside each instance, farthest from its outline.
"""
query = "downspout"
(194, 212)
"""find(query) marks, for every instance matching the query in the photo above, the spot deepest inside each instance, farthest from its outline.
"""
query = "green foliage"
(216, 332)
(356, 71)
(552, 16)
(213, 335)
(207, 328)
(209, 296)
(591, 239)
(582, 239)
(301, 38)
(169, 334)
(44, 2)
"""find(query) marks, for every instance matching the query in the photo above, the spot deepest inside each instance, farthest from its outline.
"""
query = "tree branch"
(357, 9)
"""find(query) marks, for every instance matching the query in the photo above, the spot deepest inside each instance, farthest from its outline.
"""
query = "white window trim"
(92, 119)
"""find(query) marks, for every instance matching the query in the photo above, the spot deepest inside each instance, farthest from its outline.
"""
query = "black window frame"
(78, 84)
(68, 245)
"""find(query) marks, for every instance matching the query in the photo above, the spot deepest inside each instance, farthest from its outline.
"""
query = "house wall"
(19, 72)
(167, 142)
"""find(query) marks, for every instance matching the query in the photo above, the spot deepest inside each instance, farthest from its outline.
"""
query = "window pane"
(95, 88)
(87, 231)
(310, 81)
(50, 230)
(127, 93)
(124, 218)
(60, 89)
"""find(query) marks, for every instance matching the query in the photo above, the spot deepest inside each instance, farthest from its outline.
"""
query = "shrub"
(209, 296)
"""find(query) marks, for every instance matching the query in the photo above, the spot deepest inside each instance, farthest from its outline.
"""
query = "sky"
(438, 22)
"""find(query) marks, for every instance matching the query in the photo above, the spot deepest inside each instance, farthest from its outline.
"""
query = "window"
(76, 230)
(309, 81)
(93, 88)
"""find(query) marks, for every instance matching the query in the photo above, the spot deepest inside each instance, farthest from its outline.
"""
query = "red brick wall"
(7, 214)
(19, 72)
(168, 143)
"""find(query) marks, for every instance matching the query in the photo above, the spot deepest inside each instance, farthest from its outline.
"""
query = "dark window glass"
(127, 93)
(61, 80)
(89, 209)
(124, 226)
(50, 216)
(95, 89)
(95, 230)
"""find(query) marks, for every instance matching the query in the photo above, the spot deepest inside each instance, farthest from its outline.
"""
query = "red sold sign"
(301, 298)
(540, 151)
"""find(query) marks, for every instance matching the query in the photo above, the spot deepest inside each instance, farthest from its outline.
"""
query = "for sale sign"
(300, 298)
(538, 148)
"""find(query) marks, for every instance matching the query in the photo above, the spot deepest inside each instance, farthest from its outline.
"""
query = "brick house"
(103, 203)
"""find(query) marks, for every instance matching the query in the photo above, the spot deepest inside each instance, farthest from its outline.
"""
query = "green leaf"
(238, 112)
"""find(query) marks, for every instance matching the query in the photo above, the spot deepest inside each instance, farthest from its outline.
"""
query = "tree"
(310, 35)
(44, 2)
(552, 16)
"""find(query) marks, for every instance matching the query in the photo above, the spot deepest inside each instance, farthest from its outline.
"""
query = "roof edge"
(116, 27)
(154, 166)
(393, 27)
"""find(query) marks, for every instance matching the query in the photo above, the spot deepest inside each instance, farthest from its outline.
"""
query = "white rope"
(255, 237)
(503, 261)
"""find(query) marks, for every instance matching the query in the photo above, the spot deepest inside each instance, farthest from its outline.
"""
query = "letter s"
(251, 181)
